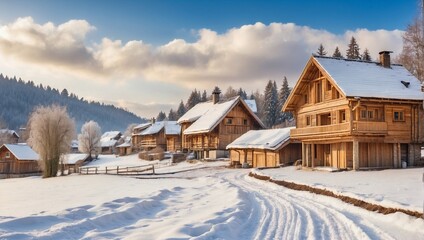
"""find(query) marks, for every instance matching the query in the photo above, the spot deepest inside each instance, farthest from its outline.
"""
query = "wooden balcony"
(313, 131)
(342, 129)
(371, 128)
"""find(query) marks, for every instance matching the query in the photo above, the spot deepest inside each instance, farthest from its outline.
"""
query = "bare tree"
(51, 134)
(128, 132)
(89, 139)
(413, 50)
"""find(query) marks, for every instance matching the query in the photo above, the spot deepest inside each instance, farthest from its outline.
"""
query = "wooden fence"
(136, 170)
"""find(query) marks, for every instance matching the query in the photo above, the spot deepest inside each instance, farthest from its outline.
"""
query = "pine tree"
(161, 116)
(193, 99)
(181, 109)
(242, 93)
(282, 97)
(270, 104)
(172, 115)
(366, 55)
(321, 51)
(352, 51)
(204, 96)
(337, 53)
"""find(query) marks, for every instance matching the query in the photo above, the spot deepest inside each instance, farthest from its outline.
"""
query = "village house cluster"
(349, 114)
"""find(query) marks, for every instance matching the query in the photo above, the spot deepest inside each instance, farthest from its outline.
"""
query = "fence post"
(106, 170)
(87, 170)
(96, 170)
(153, 169)
(117, 169)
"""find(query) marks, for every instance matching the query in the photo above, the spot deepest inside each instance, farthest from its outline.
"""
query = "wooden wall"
(14, 166)
(375, 155)
(173, 143)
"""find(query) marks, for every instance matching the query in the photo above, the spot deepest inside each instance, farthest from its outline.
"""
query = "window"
(228, 121)
(398, 116)
(306, 98)
(370, 115)
(363, 114)
(308, 120)
(342, 116)
(245, 122)
(7, 154)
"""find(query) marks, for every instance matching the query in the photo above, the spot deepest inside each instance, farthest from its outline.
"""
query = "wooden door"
(404, 153)
(259, 159)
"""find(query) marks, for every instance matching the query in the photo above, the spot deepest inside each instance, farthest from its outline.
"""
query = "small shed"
(8, 136)
(265, 148)
(109, 141)
(125, 148)
(18, 159)
(73, 161)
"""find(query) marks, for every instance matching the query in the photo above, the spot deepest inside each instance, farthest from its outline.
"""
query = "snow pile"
(395, 188)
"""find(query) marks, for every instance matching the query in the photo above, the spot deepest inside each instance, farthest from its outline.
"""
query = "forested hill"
(18, 99)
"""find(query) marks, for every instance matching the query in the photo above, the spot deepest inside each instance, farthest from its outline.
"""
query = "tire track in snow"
(287, 214)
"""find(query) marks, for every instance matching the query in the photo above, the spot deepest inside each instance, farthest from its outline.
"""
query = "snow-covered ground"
(211, 202)
(396, 188)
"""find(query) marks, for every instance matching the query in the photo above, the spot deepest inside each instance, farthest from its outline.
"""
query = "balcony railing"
(358, 128)
(321, 130)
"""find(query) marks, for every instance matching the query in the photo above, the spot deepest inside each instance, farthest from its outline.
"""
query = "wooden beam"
(355, 155)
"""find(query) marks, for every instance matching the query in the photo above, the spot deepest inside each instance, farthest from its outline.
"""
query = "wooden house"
(265, 148)
(159, 134)
(8, 136)
(17, 159)
(109, 141)
(173, 136)
(356, 114)
(136, 135)
(210, 126)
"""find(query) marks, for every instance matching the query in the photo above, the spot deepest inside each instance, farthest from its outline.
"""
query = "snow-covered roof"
(22, 152)
(252, 104)
(154, 128)
(8, 131)
(172, 128)
(142, 126)
(207, 116)
(370, 79)
(109, 139)
(126, 143)
(73, 158)
(271, 139)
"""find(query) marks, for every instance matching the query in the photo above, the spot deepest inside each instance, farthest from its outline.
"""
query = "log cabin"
(354, 114)
(210, 126)
(136, 135)
(265, 148)
(18, 159)
(73, 161)
(109, 141)
(159, 134)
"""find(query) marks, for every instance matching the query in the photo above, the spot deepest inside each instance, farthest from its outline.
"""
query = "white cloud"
(242, 57)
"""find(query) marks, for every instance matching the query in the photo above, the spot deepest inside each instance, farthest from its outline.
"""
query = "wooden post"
(106, 170)
(117, 169)
(153, 169)
(87, 170)
(303, 154)
(245, 156)
(355, 155)
(395, 155)
(96, 170)
(312, 155)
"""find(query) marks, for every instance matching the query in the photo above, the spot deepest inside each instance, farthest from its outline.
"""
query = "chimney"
(385, 58)
(215, 95)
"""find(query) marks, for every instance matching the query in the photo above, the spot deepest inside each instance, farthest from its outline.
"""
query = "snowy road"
(203, 204)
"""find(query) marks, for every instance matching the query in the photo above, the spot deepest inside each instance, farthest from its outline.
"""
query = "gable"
(216, 113)
(314, 85)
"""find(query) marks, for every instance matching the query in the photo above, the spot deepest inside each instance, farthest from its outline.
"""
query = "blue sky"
(156, 52)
